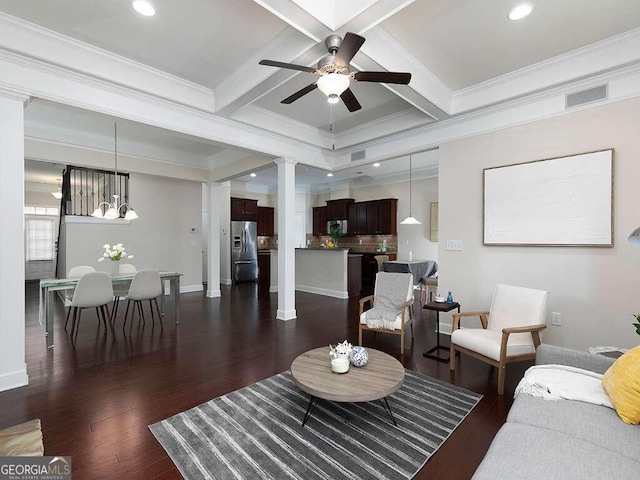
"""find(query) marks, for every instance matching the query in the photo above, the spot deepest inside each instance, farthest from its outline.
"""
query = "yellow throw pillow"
(622, 384)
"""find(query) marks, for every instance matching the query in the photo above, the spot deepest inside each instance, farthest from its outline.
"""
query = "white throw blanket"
(391, 292)
(561, 382)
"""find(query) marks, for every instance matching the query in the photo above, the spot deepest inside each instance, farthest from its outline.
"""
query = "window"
(40, 239)
(35, 210)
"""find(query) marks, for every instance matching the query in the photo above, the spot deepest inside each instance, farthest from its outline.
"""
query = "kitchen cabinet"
(319, 221)
(354, 275)
(370, 269)
(376, 217)
(244, 209)
(339, 209)
(264, 269)
(265, 221)
(388, 216)
(373, 227)
(357, 218)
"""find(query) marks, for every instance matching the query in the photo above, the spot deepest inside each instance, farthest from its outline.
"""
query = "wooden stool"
(24, 440)
(428, 288)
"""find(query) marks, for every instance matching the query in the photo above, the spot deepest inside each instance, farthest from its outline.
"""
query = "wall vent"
(586, 96)
(355, 156)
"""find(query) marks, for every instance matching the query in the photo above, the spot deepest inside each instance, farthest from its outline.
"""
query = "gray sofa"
(564, 439)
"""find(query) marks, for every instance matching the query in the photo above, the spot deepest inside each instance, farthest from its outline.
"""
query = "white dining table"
(50, 287)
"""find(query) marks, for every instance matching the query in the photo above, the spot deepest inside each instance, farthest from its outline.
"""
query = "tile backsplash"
(360, 243)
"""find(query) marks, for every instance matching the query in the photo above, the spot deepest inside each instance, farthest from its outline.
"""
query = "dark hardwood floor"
(96, 401)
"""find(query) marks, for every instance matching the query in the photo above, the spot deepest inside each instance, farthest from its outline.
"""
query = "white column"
(13, 369)
(286, 246)
(217, 201)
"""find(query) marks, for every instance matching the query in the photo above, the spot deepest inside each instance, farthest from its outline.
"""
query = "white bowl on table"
(440, 299)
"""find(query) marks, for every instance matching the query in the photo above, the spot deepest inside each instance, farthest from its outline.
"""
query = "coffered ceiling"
(464, 56)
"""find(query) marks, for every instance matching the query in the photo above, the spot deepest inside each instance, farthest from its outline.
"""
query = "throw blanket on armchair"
(391, 292)
(561, 382)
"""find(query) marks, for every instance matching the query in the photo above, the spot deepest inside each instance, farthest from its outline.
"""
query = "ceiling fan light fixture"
(333, 84)
(144, 7)
(333, 98)
(520, 11)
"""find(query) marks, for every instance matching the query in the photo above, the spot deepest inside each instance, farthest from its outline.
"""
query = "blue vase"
(449, 297)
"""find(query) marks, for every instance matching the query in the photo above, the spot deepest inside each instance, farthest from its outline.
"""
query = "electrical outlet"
(360, 242)
(454, 245)
(556, 319)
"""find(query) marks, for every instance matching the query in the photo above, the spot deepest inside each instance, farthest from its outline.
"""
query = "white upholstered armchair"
(510, 329)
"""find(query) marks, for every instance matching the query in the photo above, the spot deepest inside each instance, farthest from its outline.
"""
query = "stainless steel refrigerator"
(244, 252)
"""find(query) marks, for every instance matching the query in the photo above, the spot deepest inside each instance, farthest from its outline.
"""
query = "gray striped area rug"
(256, 433)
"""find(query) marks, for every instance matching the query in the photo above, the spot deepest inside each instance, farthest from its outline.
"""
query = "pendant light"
(410, 220)
(113, 209)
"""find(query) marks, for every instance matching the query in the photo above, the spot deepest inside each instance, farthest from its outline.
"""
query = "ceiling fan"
(334, 73)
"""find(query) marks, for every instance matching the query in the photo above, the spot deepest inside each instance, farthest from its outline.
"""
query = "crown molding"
(386, 126)
(623, 83)
(51, 82)
(15, 94)
(266, 119)
(38, 42)
(610, 53)
(81, 139)
(139, 163)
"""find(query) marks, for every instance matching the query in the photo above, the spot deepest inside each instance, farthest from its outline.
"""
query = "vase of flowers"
(335, 235)
(114, 253)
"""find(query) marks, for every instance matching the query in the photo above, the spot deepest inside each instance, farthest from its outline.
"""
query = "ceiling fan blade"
(290, 66)
(383, 77)
(350, 100)
(348, 48)
(300, 93)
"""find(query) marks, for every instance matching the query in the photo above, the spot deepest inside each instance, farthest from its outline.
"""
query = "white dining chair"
(121, 290)
(93, 290)
(146, 285)
(75, 272)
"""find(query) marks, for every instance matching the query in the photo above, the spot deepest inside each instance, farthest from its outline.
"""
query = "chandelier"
(113, 209)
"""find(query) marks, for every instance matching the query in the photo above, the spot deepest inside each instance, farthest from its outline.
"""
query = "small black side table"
(439, 307)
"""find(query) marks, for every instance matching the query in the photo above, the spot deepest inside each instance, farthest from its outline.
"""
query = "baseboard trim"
(323, 291)
(226, 281)
(286, 314)
(214, 293)
(317, 291)
(11, 380)
(191, 288)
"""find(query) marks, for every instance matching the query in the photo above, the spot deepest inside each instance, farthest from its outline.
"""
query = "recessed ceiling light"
(520, 11)
(144, 7)
(329, 174)
(253, 175)
(376, 164)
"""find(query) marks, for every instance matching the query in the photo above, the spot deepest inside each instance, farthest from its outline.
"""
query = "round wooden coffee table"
(380, 377)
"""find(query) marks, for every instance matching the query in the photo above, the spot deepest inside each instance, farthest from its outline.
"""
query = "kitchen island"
(333, 272)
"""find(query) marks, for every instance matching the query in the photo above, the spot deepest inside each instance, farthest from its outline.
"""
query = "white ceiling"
(465, 42)
(447, 45)
(203, 41)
